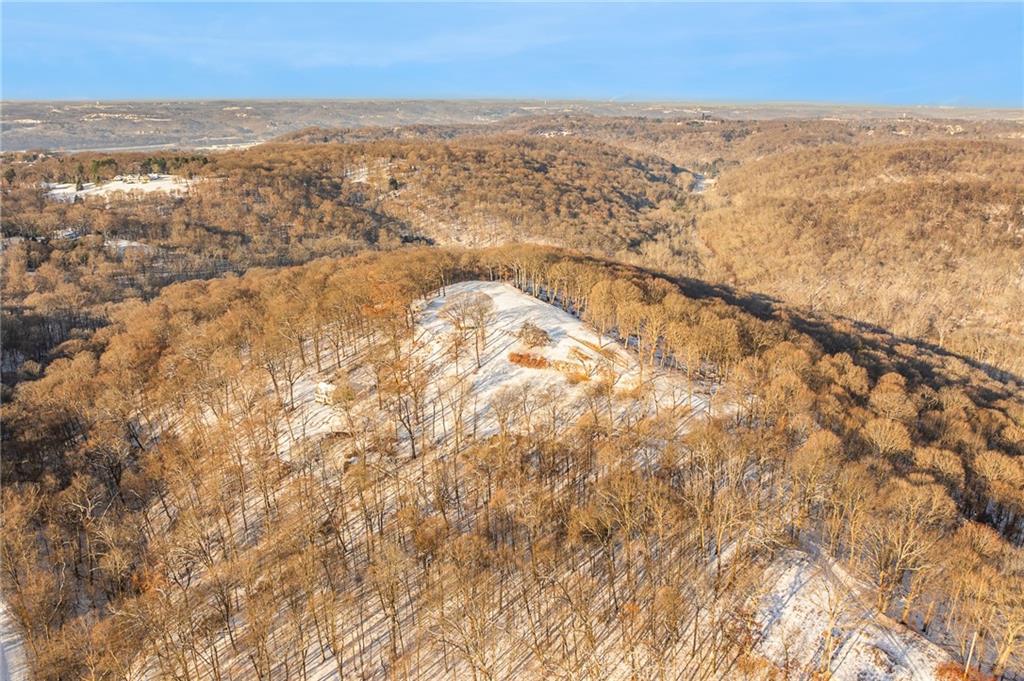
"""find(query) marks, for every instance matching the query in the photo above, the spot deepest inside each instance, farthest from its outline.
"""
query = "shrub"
(526, 359)
(573, 372)
(532, 335)
(951, 671)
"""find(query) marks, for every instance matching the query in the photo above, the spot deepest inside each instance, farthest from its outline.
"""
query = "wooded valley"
(558, 397)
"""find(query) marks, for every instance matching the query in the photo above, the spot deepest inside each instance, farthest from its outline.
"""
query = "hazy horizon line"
(552, 100)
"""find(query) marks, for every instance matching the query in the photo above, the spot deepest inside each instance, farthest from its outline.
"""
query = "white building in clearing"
(324, 393)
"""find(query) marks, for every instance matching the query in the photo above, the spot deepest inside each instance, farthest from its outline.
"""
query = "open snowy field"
(167, 184)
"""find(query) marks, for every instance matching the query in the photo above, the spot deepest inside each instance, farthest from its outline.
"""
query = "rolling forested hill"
(201, 514)
(574, 396)
(809, 212)
(924, 239)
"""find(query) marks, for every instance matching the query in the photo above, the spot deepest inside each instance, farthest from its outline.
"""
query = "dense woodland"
(853, 304)
(143, 532)
(813, 213)
(280, 205)
(701, 142)
(940, 225)
(816, 213)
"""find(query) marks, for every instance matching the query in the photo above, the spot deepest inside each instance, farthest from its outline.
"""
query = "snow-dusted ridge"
(573, 343)
(790, 607)
(799, 592)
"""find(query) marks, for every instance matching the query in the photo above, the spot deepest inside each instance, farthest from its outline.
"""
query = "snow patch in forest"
(122, 246)
(12, 653)
(305, 429)
(794, 616)
(146, 184)
(792, 609)
(572, 344)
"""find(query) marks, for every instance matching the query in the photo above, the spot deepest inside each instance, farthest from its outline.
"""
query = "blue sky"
(943, 54)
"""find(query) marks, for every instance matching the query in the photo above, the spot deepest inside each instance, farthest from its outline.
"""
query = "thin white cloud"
(214, 47)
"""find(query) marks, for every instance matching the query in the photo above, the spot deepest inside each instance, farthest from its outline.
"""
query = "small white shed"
(324, 393)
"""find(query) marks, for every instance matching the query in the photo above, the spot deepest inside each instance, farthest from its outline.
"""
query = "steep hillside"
(811, 212)
(814, 212)
(489, 189)
(924, 239)
(495, 190)
(527, 462)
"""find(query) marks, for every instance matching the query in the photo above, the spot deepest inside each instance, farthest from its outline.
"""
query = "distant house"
(324, 393)
(67, 234)
(134, 179)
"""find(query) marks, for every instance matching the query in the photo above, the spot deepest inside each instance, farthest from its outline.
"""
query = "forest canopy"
(147, 492)
(252, 426)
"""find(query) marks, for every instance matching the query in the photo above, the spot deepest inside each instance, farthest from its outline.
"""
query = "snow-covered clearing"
(146, 184)
(12, 654)
(122, 246)
(806, 597)
(575, 349)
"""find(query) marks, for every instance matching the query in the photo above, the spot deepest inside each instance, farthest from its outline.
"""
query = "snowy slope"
(12, 653)
(310, 421)
(167, 184)
(807, 596)
(572, 343)
(791, 609)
